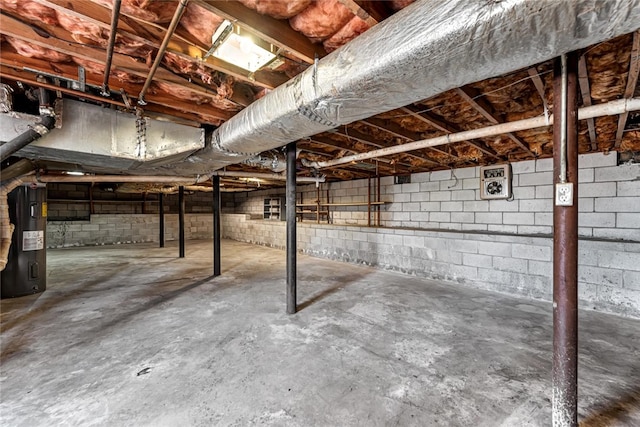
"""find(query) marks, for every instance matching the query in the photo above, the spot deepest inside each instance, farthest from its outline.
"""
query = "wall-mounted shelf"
(274, 208)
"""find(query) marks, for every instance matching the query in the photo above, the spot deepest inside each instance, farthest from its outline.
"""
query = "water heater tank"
(26, 270)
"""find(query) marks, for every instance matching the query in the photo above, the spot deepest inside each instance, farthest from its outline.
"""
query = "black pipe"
(215, 180)
(290, 207)
(565, 254)
(161, 213)
(112, 41)
(181, 219)
(37, 131)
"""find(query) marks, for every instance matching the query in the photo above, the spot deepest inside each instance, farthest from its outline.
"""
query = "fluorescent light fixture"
(75, 173)
(242, 50)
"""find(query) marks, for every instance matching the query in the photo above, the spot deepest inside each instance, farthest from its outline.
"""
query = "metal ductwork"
(36, 131)
(425, 49)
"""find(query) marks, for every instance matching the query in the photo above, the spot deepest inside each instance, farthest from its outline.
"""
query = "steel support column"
(161, 220)
(291, 228)
(181, 219)
(565, 243)
(215, 180)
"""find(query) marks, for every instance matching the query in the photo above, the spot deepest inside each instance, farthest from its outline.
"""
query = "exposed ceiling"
(63, 39)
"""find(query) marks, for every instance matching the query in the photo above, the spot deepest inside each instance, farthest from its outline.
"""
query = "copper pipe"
(163, 47)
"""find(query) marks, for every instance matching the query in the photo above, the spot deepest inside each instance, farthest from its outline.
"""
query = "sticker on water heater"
(32, 240)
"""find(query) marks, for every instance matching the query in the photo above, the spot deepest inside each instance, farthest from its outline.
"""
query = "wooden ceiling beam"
(585, 91)
(632, 81)
(369, 14)
(151, 34)
(472, 97)
(445, 127)
(274, 31)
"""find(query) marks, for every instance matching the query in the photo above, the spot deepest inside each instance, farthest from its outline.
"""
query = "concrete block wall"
(108, 229)
(609, 200)
(437, 227)
(609, 272)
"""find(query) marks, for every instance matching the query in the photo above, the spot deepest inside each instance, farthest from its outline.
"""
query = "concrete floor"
(132, 335)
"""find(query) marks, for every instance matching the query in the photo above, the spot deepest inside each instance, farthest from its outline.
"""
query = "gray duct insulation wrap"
(425, 49)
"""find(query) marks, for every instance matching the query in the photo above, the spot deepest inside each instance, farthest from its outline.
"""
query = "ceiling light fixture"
(231, 44)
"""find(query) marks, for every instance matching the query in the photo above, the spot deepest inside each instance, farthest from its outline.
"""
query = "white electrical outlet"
(564, 194)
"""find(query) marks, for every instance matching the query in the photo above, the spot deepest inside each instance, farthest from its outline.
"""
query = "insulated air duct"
(425, 49)
(37, 131)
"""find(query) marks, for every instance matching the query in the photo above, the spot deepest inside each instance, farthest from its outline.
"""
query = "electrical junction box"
(495, 182)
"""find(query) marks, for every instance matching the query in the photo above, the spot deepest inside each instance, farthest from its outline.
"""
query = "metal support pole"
(565, 244)
(215, 180)
(291, 229)
(161, 213)
(378, 200)
(369, 202)
(181, 219)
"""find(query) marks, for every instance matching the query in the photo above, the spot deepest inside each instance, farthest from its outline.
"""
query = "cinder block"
(411, 188)
(535, 229)
(536, 205)
(463, 195)
(518, 218)
(401, 197)
(430, 186)
(599, 276)
(520, 193)
(544, 192)
(415, 241)
(589, 219)
(617, 204)
(628, 234)
(474, 227)
(430, 206)
(539, 253)
(470, 184)
(597, 160)
(489, 217)
(628, 189)
(450, 226)
(503, 206)
(420, 177)
(465, 217)
(411, 207)
(476, 206)
(539, 178)
(440, 196)
(597, 189)
(523, 167)
(541, 268)
(476, 260)
(513, 229)
(442, 175)
(585, 175)
(440, 217)
(420, 197)
(586, 204)
(618, 260)
(451, 206)
(618, 173)
(631, 280)
(469, 246)
(544, 165)
(510, 264)
(629, 220)
(417, 216)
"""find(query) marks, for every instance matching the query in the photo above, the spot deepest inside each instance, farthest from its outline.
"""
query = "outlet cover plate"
(564, 194)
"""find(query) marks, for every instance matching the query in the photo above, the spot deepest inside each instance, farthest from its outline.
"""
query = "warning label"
(32, 240)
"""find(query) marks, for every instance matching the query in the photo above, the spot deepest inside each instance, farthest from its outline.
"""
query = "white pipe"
(124, 178)
(563, 119)
(608, 109)
(268, 176)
